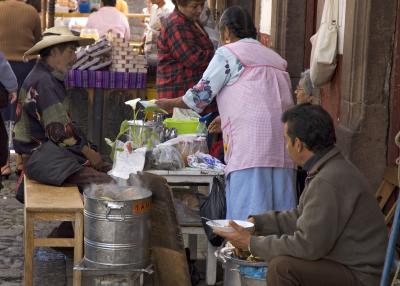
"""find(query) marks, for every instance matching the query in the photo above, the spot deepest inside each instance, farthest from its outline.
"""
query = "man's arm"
(276, 222)
(271, 223)
(316, 230)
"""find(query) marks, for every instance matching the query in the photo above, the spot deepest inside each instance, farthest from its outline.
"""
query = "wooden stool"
(385, 192)
(50, 203)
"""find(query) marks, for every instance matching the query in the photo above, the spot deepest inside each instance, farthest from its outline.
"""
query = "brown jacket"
(19, 29)
(337, 218)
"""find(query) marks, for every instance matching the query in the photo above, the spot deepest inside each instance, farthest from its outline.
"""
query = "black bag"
(51, 164)
(214, 207)
(3, 96)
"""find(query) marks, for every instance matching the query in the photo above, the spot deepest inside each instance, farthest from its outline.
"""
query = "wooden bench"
(385, 194)
(50, 203)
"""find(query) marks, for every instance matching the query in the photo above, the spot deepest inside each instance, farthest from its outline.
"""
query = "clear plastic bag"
(186, 147)
(167, 158)
(190, 146)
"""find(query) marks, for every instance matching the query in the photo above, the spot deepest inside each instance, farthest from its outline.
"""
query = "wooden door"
(394, 103)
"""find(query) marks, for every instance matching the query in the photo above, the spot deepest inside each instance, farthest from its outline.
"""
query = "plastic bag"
(187, 147)
(204, 161)
(167, 158)
(214, 207)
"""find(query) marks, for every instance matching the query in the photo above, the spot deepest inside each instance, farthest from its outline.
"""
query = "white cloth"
(109, 18)
(153, 27)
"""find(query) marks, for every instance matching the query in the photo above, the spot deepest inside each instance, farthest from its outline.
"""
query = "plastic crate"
(182, 126)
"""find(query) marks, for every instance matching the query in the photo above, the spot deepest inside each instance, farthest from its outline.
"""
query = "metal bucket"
(142, 133)
(117, 231)
(231, 265)
(250, 281)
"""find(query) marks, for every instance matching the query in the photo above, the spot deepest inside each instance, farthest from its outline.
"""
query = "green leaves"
(122, 130)
(137, 135)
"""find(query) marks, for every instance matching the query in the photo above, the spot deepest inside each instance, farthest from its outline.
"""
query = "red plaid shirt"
(183, 53)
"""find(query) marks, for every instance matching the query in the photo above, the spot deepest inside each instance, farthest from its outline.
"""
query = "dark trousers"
(290, 271)
(3, 143)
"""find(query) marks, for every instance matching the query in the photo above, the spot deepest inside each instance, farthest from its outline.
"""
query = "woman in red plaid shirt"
(184, 49)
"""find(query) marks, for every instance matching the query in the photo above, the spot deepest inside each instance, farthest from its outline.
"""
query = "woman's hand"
(168, 104)
(165, 104)
(303, 98)
(215, 125)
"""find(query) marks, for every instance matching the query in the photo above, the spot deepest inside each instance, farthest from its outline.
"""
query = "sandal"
(6, 172)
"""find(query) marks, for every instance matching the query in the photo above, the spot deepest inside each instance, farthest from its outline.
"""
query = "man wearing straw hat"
(42, 107)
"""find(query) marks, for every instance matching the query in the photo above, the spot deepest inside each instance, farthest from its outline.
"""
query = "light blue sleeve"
(7, 76)
(224, 69)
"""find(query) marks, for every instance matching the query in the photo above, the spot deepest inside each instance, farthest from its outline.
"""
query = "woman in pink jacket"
(252, 89)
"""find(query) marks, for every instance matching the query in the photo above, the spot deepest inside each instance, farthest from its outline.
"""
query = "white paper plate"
(223, 225)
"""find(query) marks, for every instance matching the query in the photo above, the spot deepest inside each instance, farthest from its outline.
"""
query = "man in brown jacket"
(336, 235)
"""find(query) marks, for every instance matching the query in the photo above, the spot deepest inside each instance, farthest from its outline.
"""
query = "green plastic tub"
(183, 126)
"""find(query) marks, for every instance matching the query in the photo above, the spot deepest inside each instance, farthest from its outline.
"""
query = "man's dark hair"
(311, 124)
(110, 3)
(239, 22)
(46, 51)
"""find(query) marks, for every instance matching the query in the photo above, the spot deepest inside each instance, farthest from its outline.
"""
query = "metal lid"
(111, 192)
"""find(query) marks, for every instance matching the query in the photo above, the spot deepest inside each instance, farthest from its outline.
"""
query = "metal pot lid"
(117, 193)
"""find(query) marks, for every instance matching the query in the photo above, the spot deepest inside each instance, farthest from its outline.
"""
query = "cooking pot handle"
(115, 206)
(219, 255)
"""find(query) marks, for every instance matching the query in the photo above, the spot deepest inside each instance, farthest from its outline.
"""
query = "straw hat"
(54, 36)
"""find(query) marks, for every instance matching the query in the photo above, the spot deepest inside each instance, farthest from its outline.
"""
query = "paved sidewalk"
(47, 261)
(49, 265)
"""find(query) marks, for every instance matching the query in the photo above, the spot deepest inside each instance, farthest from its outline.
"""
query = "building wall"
(365, 72)
(287, 34)
(394, 127)
(361, 95)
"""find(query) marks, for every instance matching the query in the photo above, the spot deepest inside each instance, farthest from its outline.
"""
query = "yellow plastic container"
(151, 93)
(183, 126)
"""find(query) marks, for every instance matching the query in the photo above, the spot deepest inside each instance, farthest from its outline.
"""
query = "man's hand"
(252, 220)
(215, 125)
(94, 157)
(240, 238)
(12, 96)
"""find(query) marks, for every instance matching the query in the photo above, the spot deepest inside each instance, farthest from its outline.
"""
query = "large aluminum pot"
(231, 265)
(117, 231)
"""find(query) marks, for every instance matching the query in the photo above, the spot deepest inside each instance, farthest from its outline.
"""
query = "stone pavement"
(49, 265)
(47, 261)
(11, 234)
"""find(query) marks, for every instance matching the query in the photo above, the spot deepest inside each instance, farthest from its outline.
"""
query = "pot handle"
(115, 206)
(218, 255)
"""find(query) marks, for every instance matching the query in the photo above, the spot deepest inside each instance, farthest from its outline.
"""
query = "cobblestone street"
(47, 261)
(49, 265)
(11, 236)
